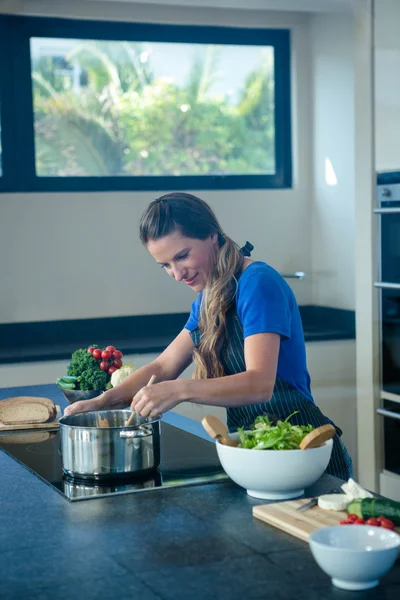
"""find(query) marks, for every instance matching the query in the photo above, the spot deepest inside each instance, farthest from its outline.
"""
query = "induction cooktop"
(186, 459)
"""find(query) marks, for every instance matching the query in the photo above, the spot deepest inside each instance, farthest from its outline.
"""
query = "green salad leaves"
(263, 435)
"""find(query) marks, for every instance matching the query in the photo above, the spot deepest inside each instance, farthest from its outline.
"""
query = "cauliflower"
(118, 376)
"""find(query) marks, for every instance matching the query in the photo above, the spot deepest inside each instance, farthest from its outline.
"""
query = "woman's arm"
(254, 385)
(169, 365)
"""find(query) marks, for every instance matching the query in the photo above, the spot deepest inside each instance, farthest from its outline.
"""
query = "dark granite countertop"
(188, 543)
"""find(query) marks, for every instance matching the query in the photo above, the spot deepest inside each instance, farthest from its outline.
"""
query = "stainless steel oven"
(389, 284)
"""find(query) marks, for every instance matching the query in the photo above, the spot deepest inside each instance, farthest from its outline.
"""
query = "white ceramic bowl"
(274, 474)
(354, 556)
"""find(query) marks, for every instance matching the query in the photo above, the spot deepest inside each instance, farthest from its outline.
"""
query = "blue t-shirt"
(265, 303)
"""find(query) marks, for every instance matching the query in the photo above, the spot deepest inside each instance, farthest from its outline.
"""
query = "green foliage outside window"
(100, 110)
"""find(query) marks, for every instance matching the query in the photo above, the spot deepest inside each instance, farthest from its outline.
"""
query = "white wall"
(332, 214)
(387, 85)
(77, 255)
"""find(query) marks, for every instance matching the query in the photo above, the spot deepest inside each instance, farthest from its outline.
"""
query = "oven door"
(391, 435)
(390, 340)
(389, 234)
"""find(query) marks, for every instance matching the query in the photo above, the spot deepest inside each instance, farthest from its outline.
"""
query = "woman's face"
(188, 260)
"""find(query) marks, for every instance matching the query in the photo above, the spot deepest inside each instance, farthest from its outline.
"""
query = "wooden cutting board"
(54, 424)
(283, 515)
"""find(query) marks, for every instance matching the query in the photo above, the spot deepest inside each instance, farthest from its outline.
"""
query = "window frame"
(17, 111)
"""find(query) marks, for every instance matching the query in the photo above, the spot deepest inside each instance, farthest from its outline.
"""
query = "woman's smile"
(191, 281)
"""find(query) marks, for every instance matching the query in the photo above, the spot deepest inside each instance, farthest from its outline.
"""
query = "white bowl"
(354, 556)
(274, 474)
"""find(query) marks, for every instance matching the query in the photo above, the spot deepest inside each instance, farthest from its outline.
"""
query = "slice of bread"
(27, 409)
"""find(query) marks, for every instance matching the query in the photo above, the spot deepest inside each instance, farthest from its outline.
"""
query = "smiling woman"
(244, 331)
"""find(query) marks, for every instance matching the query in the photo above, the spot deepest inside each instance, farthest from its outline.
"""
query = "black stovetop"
(186, 459)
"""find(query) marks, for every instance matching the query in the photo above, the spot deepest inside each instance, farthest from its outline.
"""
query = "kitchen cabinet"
(332, 367)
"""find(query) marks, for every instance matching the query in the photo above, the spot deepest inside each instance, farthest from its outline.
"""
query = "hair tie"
(247, 249)
(221, 239)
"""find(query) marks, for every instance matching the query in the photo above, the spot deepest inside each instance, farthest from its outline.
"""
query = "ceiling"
(287, 5)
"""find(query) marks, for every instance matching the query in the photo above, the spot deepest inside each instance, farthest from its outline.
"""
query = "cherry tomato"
(112, 370)
(104, 365)
(106, 354)
(386, 523)
(344, 522)
(117, 354)
(117, 362)
(359, 521)
(90, 349)
(97, 353)
(352, 517)
(372, 521)
(110, 348)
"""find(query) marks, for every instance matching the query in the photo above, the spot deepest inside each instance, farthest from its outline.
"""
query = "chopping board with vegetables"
(285, 516)
(354, 506)
(28, 412)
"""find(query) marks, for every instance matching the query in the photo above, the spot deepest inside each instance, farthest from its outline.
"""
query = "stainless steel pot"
(98, 445)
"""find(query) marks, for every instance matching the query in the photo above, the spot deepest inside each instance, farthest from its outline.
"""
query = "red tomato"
(117, 354)
(352, 517)
(104, 365)
(112, 370)
(386, 523)
(97, 353)
(110, 348)
(90, 349)
(117, 362)
(344, 522)
(372, 521)
(359, 521)
(106, 354)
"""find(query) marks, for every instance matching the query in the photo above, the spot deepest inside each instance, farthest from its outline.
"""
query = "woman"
(244, 330)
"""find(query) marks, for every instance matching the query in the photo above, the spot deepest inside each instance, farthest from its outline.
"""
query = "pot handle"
(129, 434)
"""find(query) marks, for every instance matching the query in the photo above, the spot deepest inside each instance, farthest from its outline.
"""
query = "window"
(104, 106)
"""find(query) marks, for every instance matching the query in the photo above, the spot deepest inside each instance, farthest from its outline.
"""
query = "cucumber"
(64, 385)
(375, 507)
(69, 378)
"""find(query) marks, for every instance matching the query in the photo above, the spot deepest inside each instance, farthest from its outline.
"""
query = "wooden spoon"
(216, 429)
(317, 437)
(132, 417)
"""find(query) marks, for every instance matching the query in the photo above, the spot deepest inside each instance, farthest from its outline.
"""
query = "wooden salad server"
(317, 437)
(216, 429)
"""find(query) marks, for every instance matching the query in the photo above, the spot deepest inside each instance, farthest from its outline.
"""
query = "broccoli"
(94, 380)
(86, 367)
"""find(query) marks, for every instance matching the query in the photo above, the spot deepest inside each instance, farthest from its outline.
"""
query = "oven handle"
(387, 211)
(388, 413)
(385, 285)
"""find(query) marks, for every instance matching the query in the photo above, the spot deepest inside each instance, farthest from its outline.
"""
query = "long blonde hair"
(193, 218)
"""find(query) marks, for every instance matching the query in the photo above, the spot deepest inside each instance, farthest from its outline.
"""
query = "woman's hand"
(156, 399)
(98, 403)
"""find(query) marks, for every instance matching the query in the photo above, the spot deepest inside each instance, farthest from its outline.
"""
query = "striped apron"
(285, 400)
